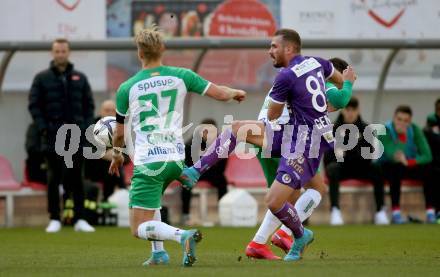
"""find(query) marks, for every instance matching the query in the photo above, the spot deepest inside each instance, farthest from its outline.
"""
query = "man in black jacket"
(432, 133)
(35, 160)
(354, 165)
(61, 95)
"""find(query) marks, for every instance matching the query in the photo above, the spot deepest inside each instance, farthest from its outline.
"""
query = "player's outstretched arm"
(224, 93)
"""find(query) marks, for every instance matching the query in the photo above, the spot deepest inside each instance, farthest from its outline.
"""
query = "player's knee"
(318, 186)
(294, 196)
(322, 189)
(271, 202)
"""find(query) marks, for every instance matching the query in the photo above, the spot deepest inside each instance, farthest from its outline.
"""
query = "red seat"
(245, 173)
(411, 183)
(31, 184)
(7, 180)
(204, 185)
(355, 183)
(364, 183)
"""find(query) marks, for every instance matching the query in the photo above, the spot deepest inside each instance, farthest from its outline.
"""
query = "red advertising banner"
(244, 68)
(248, 69)
(242, 18)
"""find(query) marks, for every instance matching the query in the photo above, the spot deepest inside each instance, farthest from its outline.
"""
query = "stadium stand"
(11, 188)
(357, 186)
(245, 174)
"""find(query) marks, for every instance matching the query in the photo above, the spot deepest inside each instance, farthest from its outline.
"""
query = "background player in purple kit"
(300, 143)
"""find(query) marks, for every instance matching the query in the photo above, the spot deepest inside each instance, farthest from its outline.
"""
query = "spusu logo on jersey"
(145, 85)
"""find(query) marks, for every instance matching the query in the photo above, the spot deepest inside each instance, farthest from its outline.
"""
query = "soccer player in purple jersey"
(300, 143)
(314, 189)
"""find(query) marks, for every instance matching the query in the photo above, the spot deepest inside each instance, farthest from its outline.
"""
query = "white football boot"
(336, 217)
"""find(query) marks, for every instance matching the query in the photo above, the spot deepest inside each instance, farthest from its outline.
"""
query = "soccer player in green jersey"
(257, 248)
(153, 100)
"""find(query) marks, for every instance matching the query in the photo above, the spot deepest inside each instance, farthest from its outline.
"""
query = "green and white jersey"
(153, 101)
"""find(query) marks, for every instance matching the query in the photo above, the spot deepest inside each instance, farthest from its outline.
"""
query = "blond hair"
(150, 42)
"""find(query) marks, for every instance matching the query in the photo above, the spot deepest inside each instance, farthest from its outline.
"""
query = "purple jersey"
(301, 85)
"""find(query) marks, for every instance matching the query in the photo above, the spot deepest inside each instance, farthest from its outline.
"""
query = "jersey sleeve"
(424, 154)
(195, 83)
(339, 98)
(122, 100)
(327, 67)
(280, 89)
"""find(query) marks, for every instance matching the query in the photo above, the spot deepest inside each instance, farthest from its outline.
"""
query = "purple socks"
(289, 217)
(220, 149)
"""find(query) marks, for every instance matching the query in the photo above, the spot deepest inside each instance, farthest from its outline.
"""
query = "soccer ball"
(103, 131)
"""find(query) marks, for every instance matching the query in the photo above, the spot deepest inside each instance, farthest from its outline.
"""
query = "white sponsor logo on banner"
(372, 20)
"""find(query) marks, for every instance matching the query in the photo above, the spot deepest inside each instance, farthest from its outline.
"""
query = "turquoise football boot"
(189, 177)
(188, 241)
(299, 244)
(397, 218)
(158, 258)
(431, 218)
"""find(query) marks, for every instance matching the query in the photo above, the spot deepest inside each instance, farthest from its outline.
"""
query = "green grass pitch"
(408, 250)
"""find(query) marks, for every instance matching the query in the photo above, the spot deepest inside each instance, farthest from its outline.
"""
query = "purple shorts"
(299, 161)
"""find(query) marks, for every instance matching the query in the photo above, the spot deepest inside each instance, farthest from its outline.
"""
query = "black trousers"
(72, 180)
(395, 172)
(433, 181)
(337, 172)
(97, 171)
(218, 181)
